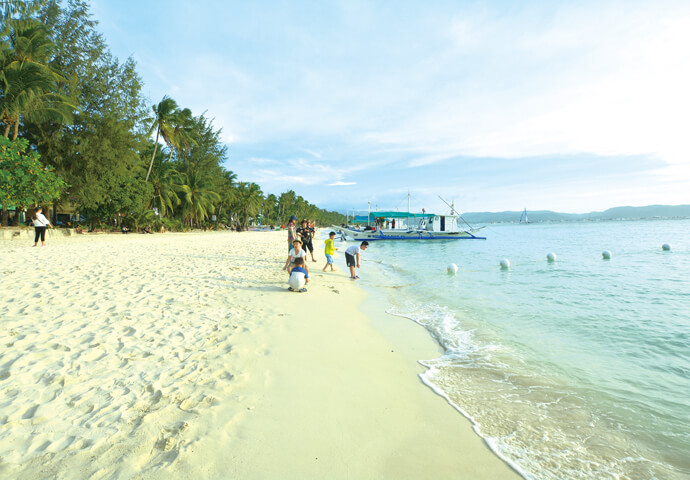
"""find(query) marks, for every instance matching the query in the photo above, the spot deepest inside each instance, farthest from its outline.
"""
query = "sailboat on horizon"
(523, 217)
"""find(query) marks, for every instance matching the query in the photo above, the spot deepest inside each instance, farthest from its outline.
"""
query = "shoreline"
(403, 332)
(183, 354)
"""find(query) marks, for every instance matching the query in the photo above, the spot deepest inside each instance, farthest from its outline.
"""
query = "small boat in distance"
(409, 226)
(523, 217)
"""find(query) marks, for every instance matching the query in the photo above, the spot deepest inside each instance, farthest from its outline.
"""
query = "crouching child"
(299, 276)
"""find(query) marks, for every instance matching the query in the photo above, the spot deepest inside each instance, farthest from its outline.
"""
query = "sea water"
(574, 369)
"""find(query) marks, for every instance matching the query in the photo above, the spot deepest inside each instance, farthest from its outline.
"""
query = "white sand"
(183, 356)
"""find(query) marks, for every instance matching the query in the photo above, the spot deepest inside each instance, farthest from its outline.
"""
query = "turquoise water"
(574, 369)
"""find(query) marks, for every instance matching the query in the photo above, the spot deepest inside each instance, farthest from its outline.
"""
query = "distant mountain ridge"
(616, 213)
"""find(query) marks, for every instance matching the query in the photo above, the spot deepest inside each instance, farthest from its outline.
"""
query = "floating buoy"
(505, 264)
(452, 269)
(666, 247)
(551, 257)
(606, 255)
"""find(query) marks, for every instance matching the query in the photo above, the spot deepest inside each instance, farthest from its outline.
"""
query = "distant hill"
(616, 213)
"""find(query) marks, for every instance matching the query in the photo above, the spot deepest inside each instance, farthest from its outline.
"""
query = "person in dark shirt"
(306, 233)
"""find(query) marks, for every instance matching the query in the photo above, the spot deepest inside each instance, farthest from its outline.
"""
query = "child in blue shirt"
(298, 276)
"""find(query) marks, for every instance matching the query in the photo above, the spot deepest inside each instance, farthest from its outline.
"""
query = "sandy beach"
(184, 356)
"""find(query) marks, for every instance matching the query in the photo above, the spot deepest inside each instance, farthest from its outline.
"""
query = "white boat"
(409, 226)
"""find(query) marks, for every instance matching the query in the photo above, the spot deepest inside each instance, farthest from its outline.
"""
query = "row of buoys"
(452, 268)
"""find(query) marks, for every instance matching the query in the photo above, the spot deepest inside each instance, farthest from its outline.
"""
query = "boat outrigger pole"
(455, 212)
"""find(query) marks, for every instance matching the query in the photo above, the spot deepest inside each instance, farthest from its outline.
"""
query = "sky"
(571, 106)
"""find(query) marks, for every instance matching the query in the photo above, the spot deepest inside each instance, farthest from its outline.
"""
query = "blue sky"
(498, 105)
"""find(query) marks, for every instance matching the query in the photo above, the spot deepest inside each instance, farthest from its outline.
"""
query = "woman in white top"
(40, 224)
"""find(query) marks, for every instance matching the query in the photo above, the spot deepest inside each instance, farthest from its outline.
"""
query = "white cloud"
(461, 80)
(340, 184)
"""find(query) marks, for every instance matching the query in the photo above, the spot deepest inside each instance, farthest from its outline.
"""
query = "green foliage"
(198, 198)
(98, 154)
(173, 225)
(138, 221)
(82, 110)
(123, 195)
(163, 125)
(28, 84)
(248, 202)
(24, 180)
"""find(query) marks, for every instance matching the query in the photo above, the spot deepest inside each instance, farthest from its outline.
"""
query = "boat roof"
(401, 215)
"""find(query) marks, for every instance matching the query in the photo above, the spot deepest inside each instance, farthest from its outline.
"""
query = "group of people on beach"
(300, 241)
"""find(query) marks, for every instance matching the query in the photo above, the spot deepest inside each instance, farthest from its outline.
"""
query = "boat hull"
(374, 235)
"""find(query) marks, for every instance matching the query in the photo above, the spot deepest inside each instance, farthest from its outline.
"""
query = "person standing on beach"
(307, 233)
(292, 231)
(40, 224)
(329, 251)
(352, 258)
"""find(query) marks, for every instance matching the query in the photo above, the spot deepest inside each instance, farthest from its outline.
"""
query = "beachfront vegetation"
(117, 158)
(24, 180)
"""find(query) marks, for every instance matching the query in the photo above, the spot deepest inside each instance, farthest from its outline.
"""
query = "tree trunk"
(154, 154)
(7, 130)
(16, 130)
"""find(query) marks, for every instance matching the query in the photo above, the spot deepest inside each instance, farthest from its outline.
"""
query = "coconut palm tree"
(181, 134)
(167, 184)
(248, 202)
(269, 207)
(197, 195)
(227, 191)
(162, 124)
(27, 83)
(8, 8)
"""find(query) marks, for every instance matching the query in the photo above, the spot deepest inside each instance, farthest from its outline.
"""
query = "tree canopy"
(24, 180)
(89, 138)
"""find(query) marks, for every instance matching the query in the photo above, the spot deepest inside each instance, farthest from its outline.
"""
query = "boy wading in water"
(329, 251)
(352, 258)
(299, 277)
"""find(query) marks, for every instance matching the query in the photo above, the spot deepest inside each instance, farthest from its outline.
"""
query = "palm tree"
(270, 207)
(12, 7)
(227, 191)
(248, 203)
(27, 84)
(286, 203)
(198, 197)
(180, 136)
(165, 112)
(166, 184)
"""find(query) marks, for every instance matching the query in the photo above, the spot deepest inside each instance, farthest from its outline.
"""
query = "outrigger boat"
(409, 226)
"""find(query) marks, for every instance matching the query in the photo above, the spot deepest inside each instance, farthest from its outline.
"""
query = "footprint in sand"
(29, 414)
(167, 446)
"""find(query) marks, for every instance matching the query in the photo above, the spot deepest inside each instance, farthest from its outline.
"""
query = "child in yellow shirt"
(329, 251)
